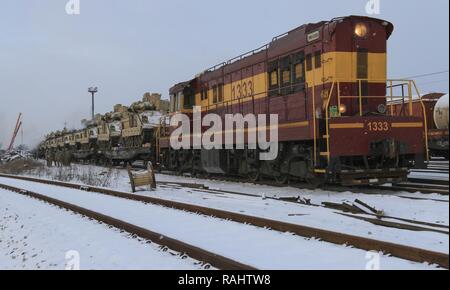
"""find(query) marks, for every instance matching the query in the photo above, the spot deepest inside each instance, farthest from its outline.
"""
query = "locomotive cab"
(182, 97)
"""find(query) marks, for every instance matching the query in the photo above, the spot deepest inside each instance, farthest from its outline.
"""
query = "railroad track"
(396, 250)
(434, 167)
(413, 188)
(371, 217)
(423, 185)
(425, 188)
(207, 257)
(429, 181)
(373, 214)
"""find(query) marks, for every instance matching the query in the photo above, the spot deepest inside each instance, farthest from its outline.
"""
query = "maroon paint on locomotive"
(337, 35)
(356, 141)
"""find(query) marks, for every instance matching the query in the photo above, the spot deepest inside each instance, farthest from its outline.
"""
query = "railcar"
(328, 84)
(436, 108)
(133, 130)
(125, 135)
(86, 143)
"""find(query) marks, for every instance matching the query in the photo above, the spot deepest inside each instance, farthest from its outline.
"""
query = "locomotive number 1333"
(378, 126)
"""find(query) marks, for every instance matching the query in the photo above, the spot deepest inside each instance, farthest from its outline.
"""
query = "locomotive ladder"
(336, 86)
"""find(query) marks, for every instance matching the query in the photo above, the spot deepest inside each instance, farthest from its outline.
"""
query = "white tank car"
(441, 113)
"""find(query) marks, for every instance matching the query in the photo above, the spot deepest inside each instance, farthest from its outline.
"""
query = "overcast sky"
(48, 59)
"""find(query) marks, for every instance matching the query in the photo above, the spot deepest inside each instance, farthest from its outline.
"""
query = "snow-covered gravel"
(391, 205)
(258, 247)
(36, 235)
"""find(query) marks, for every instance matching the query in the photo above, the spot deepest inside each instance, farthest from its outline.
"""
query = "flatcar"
(328, 84)
(137, 125)
(120, 137)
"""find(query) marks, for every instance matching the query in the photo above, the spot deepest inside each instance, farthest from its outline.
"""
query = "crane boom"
(16, 131)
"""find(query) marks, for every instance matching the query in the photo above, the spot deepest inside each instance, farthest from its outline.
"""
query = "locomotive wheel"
(254, 176)
(314, 181)
(282, 179)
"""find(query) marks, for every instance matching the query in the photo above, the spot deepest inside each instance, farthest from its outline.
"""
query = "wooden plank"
(130, 174)
(138, 179)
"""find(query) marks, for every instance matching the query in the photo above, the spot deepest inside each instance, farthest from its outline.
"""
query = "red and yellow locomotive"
(327, 82)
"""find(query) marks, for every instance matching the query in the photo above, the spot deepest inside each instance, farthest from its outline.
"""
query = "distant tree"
(23, 147)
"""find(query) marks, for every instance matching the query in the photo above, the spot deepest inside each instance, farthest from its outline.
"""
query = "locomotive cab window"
(298, 68)
(204, 94)
(220, 93)
(175, 102)
(318, 59)
(274, 78)
(274, 81)
(286, 71)
(189, 101)
(188, 98)
(362, 63)
(215, 95)
(362, 68)
(309, 63)
(273, 75)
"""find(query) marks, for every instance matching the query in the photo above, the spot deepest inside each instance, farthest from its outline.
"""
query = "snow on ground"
(36, 235)
(254, 246)
(392, 205)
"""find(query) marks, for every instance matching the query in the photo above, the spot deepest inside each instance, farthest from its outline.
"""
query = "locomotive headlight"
(361, 30)
(342, 109)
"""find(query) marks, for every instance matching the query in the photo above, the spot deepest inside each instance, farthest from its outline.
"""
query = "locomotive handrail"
(337, 84)
(425, 121)
(239, 57)
(314, 124)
